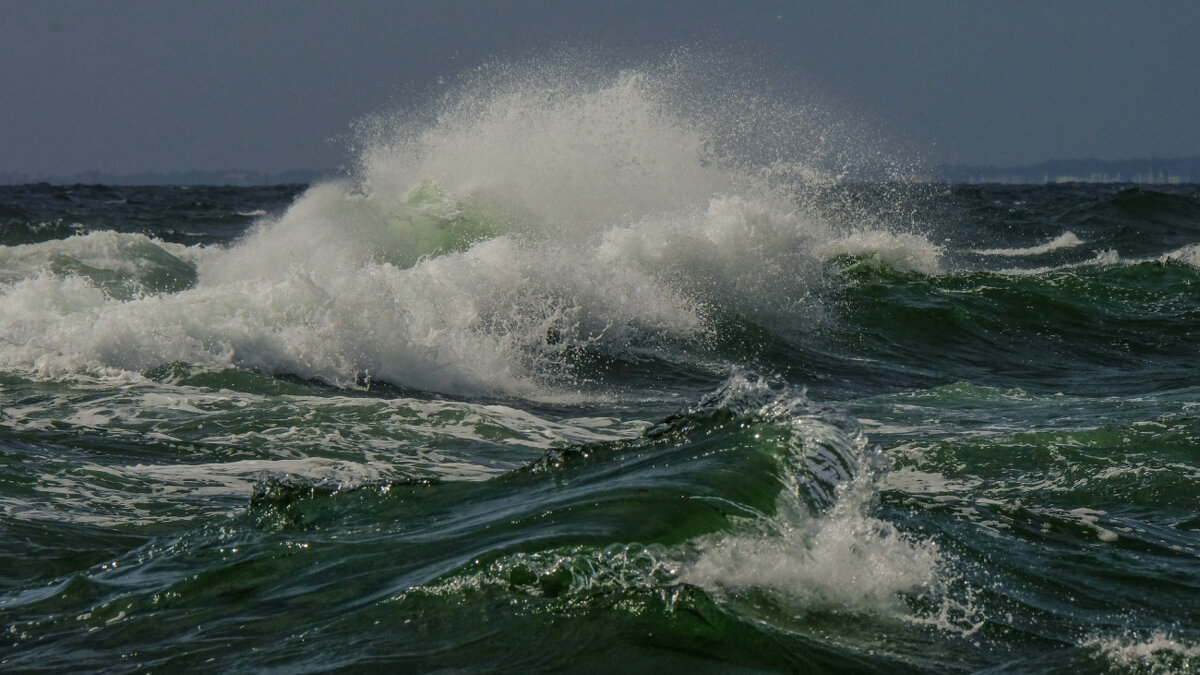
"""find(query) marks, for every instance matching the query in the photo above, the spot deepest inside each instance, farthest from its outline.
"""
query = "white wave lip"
(1064, 240)
(1188, 255)
(124, 254)
(841, 558)
(902, 251)
(472, 254)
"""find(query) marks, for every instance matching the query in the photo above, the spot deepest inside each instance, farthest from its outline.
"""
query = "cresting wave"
(822, 548)
(1064, 240)
(530, 231)
(816, 547)
(530, 222)
(590, 362)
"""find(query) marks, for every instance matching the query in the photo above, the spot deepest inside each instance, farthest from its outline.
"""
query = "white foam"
(112, 251)
(903, 251)
(839, 558)
(1189, 255)
(557, 149)
(1106, 258)
(1091, 518)
(843, 560)
(344, 441)
(915, 481)
(236, 478)
(1064, 240)
(533, 215)
(1156, 652)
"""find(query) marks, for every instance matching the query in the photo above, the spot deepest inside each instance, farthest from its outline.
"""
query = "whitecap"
(1064, 240)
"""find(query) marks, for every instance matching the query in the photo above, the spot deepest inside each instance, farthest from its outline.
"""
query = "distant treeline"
(1181, 170)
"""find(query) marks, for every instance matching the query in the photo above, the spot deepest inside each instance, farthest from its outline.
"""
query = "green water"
(991, 465)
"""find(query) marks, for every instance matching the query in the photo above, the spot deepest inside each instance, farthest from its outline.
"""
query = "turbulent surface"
(561, 381)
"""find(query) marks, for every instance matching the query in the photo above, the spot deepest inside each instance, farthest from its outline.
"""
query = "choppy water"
(559, 382)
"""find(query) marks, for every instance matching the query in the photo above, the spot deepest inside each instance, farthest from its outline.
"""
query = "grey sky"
(167, 85)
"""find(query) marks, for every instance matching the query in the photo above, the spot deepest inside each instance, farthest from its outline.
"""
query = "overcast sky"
(167, 85)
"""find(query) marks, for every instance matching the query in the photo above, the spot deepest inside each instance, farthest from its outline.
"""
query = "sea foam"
(1064, 240)
(539, 211)
(823, 549)
(1157, 652)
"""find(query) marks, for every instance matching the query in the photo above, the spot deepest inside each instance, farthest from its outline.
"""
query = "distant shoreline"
(232, 178)
(1136, 171)
(1133, 171)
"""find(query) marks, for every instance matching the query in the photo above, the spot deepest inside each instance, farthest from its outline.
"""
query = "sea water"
(586, 370)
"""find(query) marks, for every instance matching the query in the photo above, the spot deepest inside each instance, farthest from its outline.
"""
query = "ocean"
(557, 380)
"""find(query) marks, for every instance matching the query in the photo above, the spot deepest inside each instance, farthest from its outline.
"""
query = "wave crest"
(542, 211)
